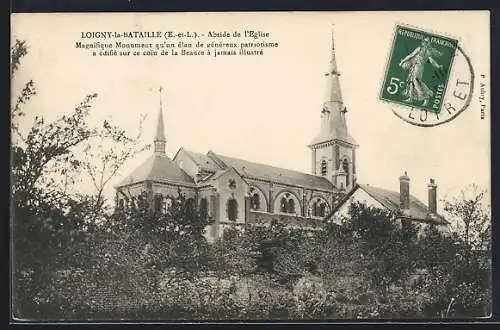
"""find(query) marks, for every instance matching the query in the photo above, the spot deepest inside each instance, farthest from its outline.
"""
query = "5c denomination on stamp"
(428, 79)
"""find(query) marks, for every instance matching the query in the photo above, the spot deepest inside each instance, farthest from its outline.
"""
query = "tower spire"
(333, 122)
(333, 91)
(160, 140)
(334, 146)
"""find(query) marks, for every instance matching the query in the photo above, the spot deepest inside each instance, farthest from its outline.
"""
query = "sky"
(265, 108)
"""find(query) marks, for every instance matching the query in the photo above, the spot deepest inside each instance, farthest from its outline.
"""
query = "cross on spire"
(159, 91)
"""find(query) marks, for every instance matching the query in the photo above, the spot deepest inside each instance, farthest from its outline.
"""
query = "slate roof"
(271, 173)
(203, 161)
(158, 168)
(391, 200)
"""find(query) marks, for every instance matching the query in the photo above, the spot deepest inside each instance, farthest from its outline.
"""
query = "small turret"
(340, 178)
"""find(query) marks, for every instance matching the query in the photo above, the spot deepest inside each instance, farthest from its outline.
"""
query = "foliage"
(472, 219)
(73, 259)
(384, 249)
(52, 226)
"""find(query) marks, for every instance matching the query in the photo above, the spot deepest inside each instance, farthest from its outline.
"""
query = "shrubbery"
(74, 260)
(367, 268)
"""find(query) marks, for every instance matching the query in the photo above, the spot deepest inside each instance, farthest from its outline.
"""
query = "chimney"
(432, 188)
(404, 192)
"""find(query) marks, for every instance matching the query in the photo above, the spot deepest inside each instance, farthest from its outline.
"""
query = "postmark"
(428, 79)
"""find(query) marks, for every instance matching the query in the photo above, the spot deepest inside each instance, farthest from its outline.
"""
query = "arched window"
(321, 210)
(290, 206)
(283, 205)
(345, 167)
(232, 209)
(190, 202)
(255, 201)
(289, 203)
(121, 204)
(204, 208)
(323, 168)
(315, 208)
(158, 204)
(133, 204)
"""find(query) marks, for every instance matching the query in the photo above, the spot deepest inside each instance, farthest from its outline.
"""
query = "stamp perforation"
(410, 84)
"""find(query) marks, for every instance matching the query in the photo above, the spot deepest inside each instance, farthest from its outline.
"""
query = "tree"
(471, 218)
(52, 224)
(133, 251)
(385, 250)
(233, 252)
(466, 286)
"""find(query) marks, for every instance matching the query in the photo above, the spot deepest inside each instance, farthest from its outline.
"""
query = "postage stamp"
(419, 69)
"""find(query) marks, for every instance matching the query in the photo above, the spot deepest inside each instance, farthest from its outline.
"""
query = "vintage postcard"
(178, 167)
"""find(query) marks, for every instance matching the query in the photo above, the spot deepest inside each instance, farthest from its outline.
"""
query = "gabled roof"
(220, 173)
(391, 201)
(249, 169)
(158, 168)
(203, 161)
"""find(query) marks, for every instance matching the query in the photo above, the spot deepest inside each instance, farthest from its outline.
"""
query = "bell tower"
(333, 149)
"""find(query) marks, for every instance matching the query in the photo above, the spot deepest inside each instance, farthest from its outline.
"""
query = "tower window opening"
(345, 167)
(323, 168)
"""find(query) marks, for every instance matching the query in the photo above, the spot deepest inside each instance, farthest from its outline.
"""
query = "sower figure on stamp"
(416, 89)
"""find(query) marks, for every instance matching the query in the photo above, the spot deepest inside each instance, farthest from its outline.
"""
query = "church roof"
(203, 160)
(158, 168)
(391, 200)
(271, 173)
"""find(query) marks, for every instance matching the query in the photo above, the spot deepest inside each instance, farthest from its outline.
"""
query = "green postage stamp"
(418, 69)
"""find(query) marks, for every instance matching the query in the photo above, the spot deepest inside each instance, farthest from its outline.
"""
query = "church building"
(236, 191)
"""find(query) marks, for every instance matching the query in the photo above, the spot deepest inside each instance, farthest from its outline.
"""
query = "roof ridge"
(188, 153)
(273, 166)
(216, 158)
(388, 190)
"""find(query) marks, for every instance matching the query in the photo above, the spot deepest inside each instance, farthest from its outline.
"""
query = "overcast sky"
(265, 108)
